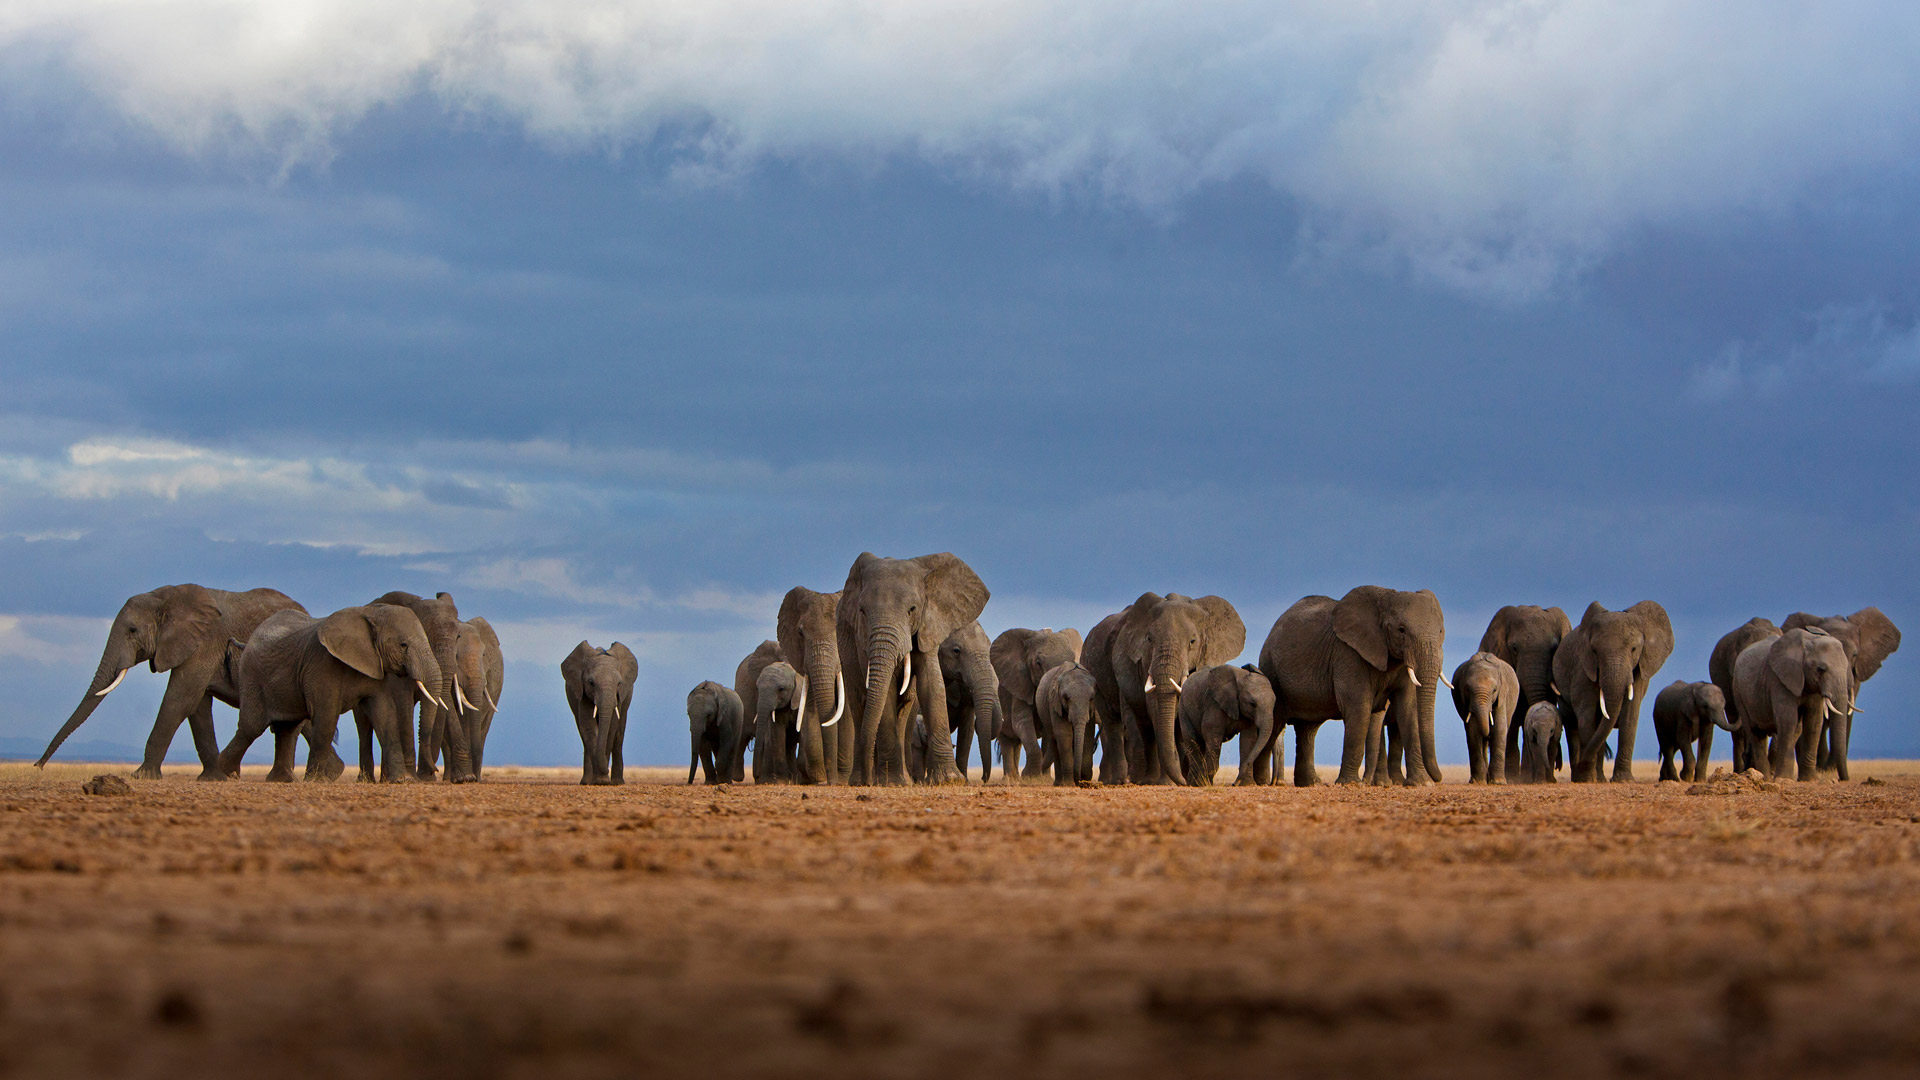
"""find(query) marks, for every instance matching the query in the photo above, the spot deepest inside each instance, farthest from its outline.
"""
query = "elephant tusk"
(1444, 681)
(839, 699)
(1629, 691)
(114, 683)
(1604, 714)
(1854, 710)
(491, 704)
(1414, 675)
(596, 711)
(800, 713)
(906, 675)
(460, 695)
(437, 703)
(1553, 686)
(1149, 687)
(1177, 687)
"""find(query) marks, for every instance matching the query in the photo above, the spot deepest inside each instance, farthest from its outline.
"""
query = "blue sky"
(619, 323)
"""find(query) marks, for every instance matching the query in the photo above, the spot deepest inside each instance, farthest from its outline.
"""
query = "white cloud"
(52, 639)
(1492, 145)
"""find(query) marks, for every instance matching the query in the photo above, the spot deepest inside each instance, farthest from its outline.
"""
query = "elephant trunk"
(1613, 686)
(884, 647)
(765, 734)
(693, 763)
(1165, 706)
(826, 704)
(115, 662)
(606, 713)
(1536, 678)
(1073, 759)
(1421, 739)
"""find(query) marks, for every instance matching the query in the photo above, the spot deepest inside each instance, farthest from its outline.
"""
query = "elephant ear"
(1223, 690)
(954, 596)
(1561, 625)
(1657, 635)
(793, 648)
(1594, 611)
(397, 598)
(629, 667)
(1072, 636)
(1788, 658)
(348, 636)
(189, 619)
(1498, 631)
(1356, 621)
(1800, 620)
(1222, 634)
(1008, 654)
(1878, 640)
(574, 670)
(485, 629)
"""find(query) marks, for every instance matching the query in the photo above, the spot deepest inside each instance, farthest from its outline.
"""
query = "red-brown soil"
(531, 927)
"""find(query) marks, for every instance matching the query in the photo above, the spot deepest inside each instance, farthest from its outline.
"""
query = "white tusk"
(1604, 714)
(1176, 686)
(1444, 681)
(839, 698)
(906, 675)
(1553, 686)
(429, 694)
(1415, 676)
(596, 711)
(1149, 687)
(1854, 710)
(1629, 691)
(491, 704)
(800, 713)
(114, 683)
(460, 695)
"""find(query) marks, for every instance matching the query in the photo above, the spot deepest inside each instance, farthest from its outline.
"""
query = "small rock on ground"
(107, 785)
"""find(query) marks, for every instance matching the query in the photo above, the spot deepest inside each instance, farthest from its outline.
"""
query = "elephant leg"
(363, 726)
(1134, 741)
(1364, 744)
(1689, 763)
(200, 724)
(1807, 746)
(619, 751)
(186, 690)
(1512, 744)
(963, 740)
(1498, 766)
(284, 738)
(1623, 745)
(323, 764)
(1397, 740)
(1304, 772)
(1666, 764)
(1840, 731)
(1113, 752)
(1476, 747)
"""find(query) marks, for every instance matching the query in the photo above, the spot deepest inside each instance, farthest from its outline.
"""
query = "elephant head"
(479, 669)
(1390, 629)
(1868, 636)
(161, 629)
(1812, 667)
(1612, 655)
(778, 691)
(380, 640)
(1064, 705)
(1525, 636)
(808, 641)
(599, 690)
(966, 662)
(1159, 643)
(890, 611)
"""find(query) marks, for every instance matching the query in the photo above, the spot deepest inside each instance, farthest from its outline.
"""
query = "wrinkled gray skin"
(1157, 643)
(440, 618)
(1525, 636)
(1540, 744)
(1603, 667)
(746, 683)
(777, 703)
(809, 641)
(1063, 707)
(1486, 693)
(479, 676)
(1218, 703)
(599, 692)
(1720, 672)
(1685, 713)
(1786, 688)
(1372, 653)
(973, 695)
(715, 716)
(1869, 637)
(182, 630)
(892, 616)
(297, 670)
(1021, 657)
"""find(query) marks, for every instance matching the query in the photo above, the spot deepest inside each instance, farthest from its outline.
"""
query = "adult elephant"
(1869, 638)
(1371, 653)
(182, 630)
(599, 686)
(810, 642)
(779, 710)
(1021, 658)
(480, 670)
(973, 695)
(892, 616)
(440, 618)
(1603, 667)
(1525, 636)
(297, 670)
(1720, 673)
(746, 683)
(1150, 650)
(1788, 688)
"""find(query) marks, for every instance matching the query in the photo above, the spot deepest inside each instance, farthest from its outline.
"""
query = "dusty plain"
(531, 927)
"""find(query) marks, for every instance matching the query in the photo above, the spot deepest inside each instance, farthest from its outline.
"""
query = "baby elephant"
(1063, 713)
(715, 718)
(1685, 713)
(1219, 702)
(599, 691)
(1540, 744)
(1485, 693)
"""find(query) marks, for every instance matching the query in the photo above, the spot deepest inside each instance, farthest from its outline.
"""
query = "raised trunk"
(112, 665)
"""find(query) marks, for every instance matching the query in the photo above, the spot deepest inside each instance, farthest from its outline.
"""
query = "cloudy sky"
(619, 322)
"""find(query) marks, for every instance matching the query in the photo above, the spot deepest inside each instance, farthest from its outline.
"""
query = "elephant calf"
(1540, 744)
(600, 691)
(1486, 692)
(1683, 714)
(716, 719)
(1064, 709)
(1218, 702)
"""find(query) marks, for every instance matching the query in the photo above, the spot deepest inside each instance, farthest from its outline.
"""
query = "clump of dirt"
(1724, 782)
(107, 785)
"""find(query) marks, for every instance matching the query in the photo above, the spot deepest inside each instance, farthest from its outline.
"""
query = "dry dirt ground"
(531, 927)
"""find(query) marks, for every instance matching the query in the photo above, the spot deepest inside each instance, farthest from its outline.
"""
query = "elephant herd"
(892, 680)
(286, 671)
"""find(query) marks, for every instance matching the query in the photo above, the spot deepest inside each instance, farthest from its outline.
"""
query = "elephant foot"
(398, 777)
(212, 775)
(147, 771)
(1623, 776)
(364, 776)
(277, 775)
